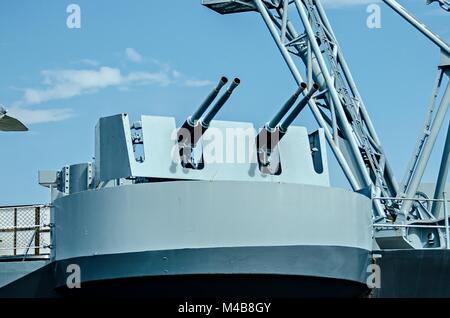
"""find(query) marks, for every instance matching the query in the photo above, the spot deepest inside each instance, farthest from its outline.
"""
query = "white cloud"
(146, 78)
(346, 3)
(38, 116)
(197, 83)
(89, 62)
(67, 83)
(63, 84)
(133, 55)
(176, 74)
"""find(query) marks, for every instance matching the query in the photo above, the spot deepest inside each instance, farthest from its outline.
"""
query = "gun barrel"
(223, 99)
(286, 107)
(207, 102)
(297, 109)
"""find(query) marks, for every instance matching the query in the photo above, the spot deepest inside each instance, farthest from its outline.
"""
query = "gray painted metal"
(312, 104)
(269, 137)
(284, 225)
(424, 133)
(352, 84)
(201, 214)
(47, 178)
(427, 139)
(207, 102)
(427, 149)
(76, 178)
(276, 271)
(297, 109)
(346, 129)
(444, 4)
(338, 95)
(107, 147)
(12, 271)
(286, 107)
(8, 123)
(206, 121)
(234, 159)
(447, 229)
(281, 229)
(226, 6)
(429, 188)
(315, 261)
(351, 163)
(445, 60)
(353, 130)
(418, 25)
(354, 141)
(414, 273)
(442, 176)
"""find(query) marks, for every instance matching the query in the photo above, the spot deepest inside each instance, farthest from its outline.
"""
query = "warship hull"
(134, 241)
(126, 248)
(414, 274)
(405, 274)
(262, 272)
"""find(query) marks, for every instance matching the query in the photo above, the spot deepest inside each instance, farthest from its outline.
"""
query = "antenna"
(8, 123)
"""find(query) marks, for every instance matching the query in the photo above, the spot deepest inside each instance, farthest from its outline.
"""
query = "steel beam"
(442, 177)
(427, 149)
(347, 130)
(355, 91)
(418, 25)
(298, 78)
(423, 135)
(316, 66)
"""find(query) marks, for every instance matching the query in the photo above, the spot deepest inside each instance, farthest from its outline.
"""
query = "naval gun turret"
(196, 125)
(272, 133)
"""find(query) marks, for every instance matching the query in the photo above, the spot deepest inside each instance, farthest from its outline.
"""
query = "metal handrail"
(29, 244)
(446, 226)
(23, 247)
(2, 207)
(410, 199)
(36, 228)
(26, 228)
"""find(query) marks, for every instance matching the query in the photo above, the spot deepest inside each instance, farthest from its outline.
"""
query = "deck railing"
(25, 231)
(444, 202)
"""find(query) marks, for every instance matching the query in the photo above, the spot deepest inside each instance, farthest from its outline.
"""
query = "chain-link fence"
(25, 230)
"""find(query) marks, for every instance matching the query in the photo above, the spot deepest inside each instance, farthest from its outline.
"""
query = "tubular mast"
(434, 120)
(338, 107)
(311, 48)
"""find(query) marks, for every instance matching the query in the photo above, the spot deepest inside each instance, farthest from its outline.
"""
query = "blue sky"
(159, 58)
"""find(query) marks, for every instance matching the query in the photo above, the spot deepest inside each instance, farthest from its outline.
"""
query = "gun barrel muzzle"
(297, 109)
(286, 107)
(207, 102)
(223, 99)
